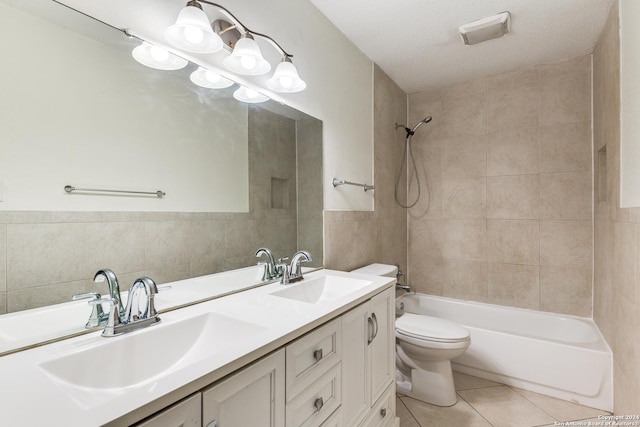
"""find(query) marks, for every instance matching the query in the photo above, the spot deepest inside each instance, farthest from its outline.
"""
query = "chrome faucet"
(134, 316)
(114, 287)
(270, 267)
(294, 272)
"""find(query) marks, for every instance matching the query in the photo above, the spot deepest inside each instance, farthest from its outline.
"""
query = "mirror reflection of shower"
(409, 158)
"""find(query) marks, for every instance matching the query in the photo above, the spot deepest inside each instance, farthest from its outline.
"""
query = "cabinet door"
(252, 397)
(381, 347)
(183, 414)
(355, 364)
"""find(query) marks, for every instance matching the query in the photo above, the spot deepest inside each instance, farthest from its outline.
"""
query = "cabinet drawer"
(311, 356)
(335, 420)
(186, 413)
(383, 413)
(313, 405)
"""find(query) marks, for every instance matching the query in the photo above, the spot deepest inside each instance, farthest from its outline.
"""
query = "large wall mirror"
(76, 109)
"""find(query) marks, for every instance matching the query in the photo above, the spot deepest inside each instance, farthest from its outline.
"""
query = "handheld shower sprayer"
(407, 149)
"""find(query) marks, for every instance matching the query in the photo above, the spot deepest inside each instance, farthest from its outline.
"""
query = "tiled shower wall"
(617, 231)
(505, 214)
(354, 239)
(45, 257)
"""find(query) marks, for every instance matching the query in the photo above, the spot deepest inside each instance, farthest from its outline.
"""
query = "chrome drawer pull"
(319, 403)
(317, 355)
(383, 412)
(370, 336)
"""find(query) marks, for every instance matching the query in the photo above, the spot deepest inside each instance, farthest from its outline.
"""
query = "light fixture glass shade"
(157, 57)
(250, 96)
(205, 78)
(192, 32)
(247, 59)
(286, 78)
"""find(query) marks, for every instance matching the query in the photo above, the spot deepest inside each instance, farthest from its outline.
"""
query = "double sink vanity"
(318, 352)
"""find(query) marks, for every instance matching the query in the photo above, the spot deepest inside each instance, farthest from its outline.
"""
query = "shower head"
(420, 123)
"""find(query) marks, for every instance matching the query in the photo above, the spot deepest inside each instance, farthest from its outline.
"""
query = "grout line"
(472, 407)
(515, 390)
(408, 410)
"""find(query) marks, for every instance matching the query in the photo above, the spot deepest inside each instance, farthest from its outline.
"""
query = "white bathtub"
(560, 356)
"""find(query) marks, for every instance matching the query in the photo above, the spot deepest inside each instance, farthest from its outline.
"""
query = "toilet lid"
(427, 327)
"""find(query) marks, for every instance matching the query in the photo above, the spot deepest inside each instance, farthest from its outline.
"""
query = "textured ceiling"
(416, 42)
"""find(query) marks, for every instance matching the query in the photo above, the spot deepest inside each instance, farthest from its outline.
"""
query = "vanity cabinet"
(368, 359)
(255, 396)
(339, 374)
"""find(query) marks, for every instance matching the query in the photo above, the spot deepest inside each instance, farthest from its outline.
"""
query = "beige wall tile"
(427, 275)
(428, 157)
(206, 243)
(513, 197)
(514, 285)
(513, 152)
(566, 243)
(513, 241)
(464, 198)
(465, 279)
(513, 107)
(470, 87)
(464, 157)
(119, 246)
(464, 239)
(577, 64)
(166, 244)
(426, 238)
(44, 254)
(392, 242)
(626, 353)
(423, 104)
(169, 274)
(565, 147)
(40, 296)
(340, 246)
(565, 98)
(511, 79)
(566, 195)
(565, 290)
(623, 262)
(464, 115)
(3, 259)
(367, 242)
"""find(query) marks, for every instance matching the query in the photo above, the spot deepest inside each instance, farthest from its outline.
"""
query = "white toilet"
(425, 346)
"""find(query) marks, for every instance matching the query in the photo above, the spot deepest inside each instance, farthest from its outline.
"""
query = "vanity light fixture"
(192, 32)
(157, 57)
(249, 95)
(210, 80)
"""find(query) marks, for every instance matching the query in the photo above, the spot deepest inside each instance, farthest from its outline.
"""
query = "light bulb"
(286, 82)
(212, 77)
(251, 94)
(159, 54)
(248, 62)
(193, 34)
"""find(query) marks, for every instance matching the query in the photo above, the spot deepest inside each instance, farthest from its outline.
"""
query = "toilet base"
(434, 386)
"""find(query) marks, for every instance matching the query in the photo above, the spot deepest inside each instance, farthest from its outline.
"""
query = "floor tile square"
(460, 414)
(561, 410)
(503, 407)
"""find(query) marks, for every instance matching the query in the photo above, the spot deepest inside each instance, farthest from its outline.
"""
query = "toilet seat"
(429, 328)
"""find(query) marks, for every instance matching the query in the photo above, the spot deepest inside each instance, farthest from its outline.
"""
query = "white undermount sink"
(131, 359)
(322, 289)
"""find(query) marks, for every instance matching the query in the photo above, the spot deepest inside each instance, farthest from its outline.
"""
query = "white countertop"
(29, 396)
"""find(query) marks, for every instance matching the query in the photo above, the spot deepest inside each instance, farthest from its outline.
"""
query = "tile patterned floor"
(484, 403)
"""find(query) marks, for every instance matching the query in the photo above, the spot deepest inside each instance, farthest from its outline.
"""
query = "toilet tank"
(386, 270)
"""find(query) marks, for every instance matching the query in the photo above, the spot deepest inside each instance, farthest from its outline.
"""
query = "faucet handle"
(283, 270)
(114, 315)
(97, 314)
